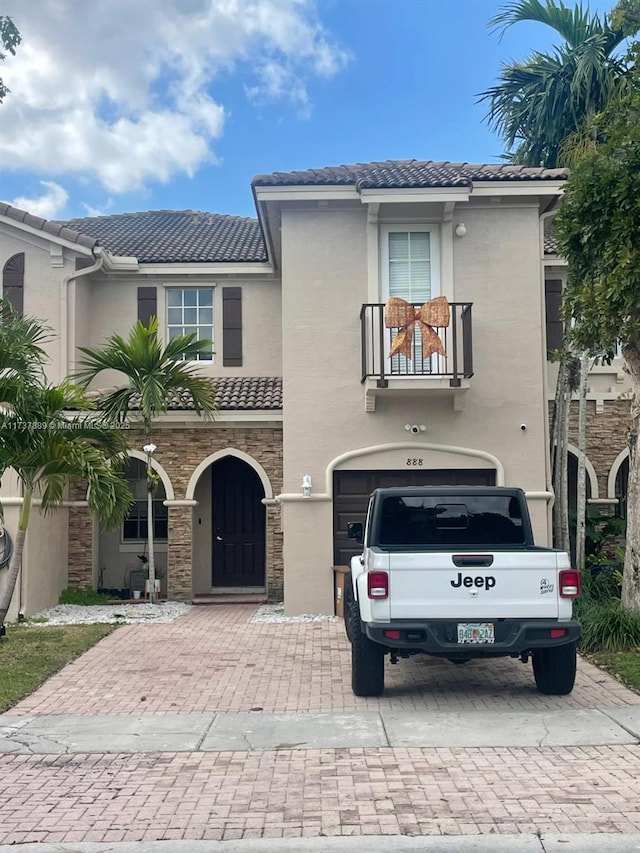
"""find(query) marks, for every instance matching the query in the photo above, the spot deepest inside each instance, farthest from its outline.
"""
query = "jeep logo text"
(487, 582)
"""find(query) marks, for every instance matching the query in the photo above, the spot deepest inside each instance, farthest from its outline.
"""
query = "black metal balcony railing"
(456, 365)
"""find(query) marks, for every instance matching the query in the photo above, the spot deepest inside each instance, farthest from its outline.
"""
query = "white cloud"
(48, 205)
(125, 91)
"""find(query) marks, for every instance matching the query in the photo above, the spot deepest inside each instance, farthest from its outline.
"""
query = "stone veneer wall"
(607, 435)
(80, 559)
(180, 451)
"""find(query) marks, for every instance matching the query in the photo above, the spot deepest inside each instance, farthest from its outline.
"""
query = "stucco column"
(179, 554)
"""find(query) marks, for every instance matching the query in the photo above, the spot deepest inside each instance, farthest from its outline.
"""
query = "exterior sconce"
(306, 486)
(461, 229)
(415, 429)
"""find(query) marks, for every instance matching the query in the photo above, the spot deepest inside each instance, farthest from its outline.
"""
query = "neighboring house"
(313, 413)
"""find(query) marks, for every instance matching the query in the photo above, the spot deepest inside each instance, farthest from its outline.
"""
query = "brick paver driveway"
(214, 659)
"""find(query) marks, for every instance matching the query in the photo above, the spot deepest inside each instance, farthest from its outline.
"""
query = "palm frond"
(539, 102)
(156, 374)
(49, 449)
(574, 25)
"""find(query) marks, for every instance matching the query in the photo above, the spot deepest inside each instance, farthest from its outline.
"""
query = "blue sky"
(177, 104)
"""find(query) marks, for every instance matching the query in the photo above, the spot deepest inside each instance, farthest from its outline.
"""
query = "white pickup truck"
(453, 572)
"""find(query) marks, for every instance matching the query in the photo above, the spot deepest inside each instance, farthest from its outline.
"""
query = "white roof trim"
(415, 194)
(45, 235)
(307, 192)
(518, 187)
(225, 268)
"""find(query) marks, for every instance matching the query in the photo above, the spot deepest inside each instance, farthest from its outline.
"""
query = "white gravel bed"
(275, 613)
(125, 613)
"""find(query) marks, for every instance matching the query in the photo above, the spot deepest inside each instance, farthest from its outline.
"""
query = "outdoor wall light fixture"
(461, 229)
(306, 486)
(149, 449)
(415, 429)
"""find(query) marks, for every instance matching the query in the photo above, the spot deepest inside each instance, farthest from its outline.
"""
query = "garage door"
(352, 489)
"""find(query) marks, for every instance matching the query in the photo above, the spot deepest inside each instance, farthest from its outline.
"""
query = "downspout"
(68, 314)
(545, 373)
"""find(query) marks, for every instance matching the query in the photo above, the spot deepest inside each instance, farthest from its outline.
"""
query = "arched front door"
(239, 525)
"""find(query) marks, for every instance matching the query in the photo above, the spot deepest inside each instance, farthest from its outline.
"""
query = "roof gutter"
(550, 211)
(267, 236)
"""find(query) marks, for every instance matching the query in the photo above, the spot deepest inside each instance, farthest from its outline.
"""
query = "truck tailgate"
(473, 585)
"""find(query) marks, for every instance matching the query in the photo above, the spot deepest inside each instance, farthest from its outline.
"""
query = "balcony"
(443, 374)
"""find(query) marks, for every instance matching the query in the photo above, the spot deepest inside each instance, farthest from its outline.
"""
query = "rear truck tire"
(348, 607)
(367, 659)
(554, 669)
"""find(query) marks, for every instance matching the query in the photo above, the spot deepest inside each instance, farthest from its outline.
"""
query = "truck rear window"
(465, 521)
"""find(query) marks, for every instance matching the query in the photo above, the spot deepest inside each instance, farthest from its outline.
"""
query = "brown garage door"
(351, 491)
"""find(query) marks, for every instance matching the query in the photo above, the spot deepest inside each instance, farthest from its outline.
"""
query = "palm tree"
(21, 354)
(545, 107)
(46, 450)
(546, 98)
(156, 376)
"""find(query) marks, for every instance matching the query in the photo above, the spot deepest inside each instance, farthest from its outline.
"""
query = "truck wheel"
(367, 659)
(555, 669)
(348, 607)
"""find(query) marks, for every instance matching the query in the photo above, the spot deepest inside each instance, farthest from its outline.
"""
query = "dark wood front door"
(351, 491)
(238, 517)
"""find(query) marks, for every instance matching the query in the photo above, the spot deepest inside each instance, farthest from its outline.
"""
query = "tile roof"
(176, 236)
(390, 174)
(57, 229)
(550, 245)
(231, 394)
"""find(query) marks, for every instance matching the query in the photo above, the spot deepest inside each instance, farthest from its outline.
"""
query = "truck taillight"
(569, 583)
(378, 585)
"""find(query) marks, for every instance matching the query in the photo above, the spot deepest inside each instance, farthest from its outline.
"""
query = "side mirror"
(355, 531)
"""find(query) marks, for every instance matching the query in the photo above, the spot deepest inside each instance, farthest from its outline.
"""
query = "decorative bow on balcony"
(401, 315)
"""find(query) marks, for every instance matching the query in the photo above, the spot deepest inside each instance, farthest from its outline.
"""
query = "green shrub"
(86, 595)
(605, 625)
(601, 587)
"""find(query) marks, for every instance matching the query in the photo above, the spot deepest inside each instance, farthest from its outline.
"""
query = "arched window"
(622, 488)
(13, 282)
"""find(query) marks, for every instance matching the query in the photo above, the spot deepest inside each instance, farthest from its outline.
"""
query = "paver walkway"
(216, 660)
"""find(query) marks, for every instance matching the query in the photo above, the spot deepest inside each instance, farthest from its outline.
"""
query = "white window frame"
(436, 281)
(434, 246)
(182, 287)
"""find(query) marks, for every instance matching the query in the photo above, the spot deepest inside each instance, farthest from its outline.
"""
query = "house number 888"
(414, 462)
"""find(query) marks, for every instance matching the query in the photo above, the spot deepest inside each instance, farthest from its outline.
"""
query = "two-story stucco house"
(313, 409)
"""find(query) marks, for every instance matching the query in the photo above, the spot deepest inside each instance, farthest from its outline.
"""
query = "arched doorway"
(238, 526)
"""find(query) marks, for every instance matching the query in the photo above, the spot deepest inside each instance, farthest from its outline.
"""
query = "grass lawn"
(624, 665)
(30, 654)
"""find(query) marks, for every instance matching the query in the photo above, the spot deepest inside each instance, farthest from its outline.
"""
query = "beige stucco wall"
(325, 281)
(45, 559)
(43, 276)
(113, 308)
(202, 528)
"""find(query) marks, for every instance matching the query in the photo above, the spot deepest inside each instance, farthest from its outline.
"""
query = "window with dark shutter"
(13, 282)
(553, 311)
(232, 326)
(147, 304)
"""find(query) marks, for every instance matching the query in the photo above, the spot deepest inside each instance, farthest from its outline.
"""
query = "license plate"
(476, 632)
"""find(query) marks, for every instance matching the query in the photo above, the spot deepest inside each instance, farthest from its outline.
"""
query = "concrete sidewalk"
(598, 843)
(126, 733)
